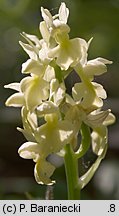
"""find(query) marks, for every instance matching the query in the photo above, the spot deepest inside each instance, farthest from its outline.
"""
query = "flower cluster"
(51, 117)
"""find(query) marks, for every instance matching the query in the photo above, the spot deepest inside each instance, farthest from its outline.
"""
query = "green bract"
(42, 94)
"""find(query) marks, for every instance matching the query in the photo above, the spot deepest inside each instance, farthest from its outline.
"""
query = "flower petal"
(44, 31)
(63, 13)
(32, 38)
(49, 73)
(43, 53)
(74, 52)
(99, 139)
(29, 150)
(54, 134)
(29, 50)
(104, 61)
(57, 91)
(46, 108)
(66, 131)
(29, 121)
(95, 119)
(68, 53)
(15, 100)
(43, 171)
(47, 16)
(101, 93)
(59, 94)
(89, 94)
(35, 90)
(96, 67)
(70, 100)
(14, 86)
(109, 120)
(78, 91)
(33, 66)
(84, 48)
(75, 115)
(48, 137)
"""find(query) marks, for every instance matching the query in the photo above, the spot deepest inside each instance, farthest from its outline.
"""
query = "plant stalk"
(71, 167)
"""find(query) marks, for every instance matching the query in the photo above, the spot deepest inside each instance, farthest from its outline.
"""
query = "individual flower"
(32, 90)
(50, 138)
(77, 114)
(97, 120)
(99, 138)
(36, 49)
(43, 169)
(54, 134)
(35, 89)
(67, 52)
(95, 67)
(53, 25)
(91, 68)
(89, 94)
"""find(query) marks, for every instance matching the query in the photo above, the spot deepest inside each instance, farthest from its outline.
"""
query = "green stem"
(71, 167)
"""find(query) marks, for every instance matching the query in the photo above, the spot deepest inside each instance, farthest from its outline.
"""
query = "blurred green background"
(88, 18)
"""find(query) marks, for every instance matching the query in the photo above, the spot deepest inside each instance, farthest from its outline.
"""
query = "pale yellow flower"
(67, 52)
(55, 24)
(95, 67)
(89, 95)
(54, 134)
(49, 138)
(43, 169)
(35, 89)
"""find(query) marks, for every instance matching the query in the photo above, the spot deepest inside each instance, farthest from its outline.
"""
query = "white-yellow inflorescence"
(42, 96)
